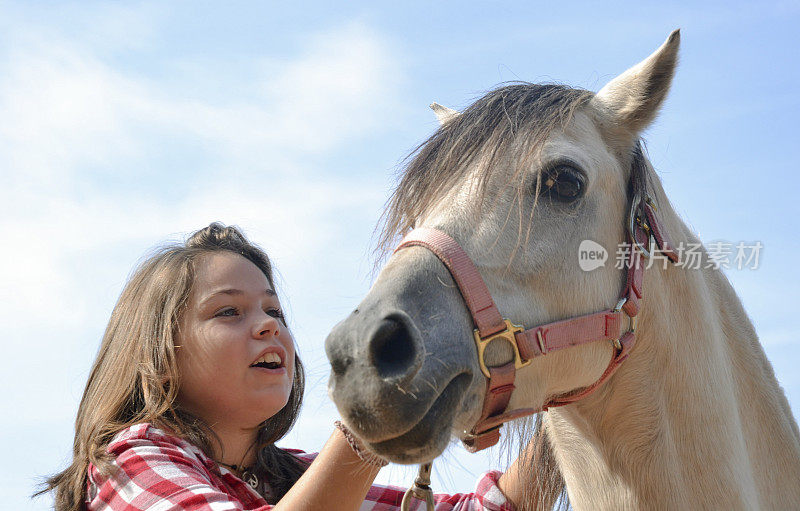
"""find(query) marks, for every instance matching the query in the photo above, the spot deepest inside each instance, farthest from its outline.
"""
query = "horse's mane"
(487, 128)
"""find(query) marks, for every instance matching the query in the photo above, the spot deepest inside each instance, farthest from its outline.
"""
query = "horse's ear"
(632, 99)
(443, 113)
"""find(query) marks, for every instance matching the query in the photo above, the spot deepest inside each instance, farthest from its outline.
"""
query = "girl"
(196, 379)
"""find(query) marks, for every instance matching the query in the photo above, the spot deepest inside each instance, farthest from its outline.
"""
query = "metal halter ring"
(421, 489)
(633, 219)
(633, 321)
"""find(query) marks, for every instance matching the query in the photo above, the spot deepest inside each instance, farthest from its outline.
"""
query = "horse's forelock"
(487, 130)
(521, 113)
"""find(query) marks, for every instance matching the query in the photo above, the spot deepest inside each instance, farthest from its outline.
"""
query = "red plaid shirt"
(158, 471)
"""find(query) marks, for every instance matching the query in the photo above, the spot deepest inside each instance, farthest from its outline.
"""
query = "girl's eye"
(563, 183)
(227, 312)
(275, 313)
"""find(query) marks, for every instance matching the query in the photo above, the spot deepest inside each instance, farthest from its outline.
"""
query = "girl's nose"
(268, 326)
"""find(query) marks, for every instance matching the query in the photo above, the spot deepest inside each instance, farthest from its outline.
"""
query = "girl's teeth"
(270, 358)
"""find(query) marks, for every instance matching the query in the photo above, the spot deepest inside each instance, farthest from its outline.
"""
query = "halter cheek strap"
(606, 325)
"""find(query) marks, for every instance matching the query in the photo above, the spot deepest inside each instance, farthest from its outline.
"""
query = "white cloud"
(78, 131)
(76, 143)
(335, 84)
(64, 108)
(73, 123)
(84, 197)
(61, 110)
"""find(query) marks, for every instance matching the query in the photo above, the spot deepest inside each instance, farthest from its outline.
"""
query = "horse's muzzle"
(386, 384)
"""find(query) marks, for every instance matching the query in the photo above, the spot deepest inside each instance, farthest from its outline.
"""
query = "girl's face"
(236, 355)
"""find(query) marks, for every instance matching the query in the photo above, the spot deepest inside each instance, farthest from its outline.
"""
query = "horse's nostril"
(392, 349)
(340, 364)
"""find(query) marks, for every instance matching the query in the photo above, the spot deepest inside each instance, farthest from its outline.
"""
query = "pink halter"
(643, 227)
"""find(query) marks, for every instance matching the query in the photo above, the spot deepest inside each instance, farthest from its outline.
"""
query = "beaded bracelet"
(370, 458)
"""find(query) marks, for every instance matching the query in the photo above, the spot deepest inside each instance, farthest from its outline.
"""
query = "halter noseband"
(643, 229)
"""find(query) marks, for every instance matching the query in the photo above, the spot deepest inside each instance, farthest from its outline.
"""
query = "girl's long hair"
(135, 377)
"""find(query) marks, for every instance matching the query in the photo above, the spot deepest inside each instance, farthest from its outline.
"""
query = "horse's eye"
(562, 183)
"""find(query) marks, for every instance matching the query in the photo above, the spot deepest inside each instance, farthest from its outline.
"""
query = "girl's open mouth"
(270, 361)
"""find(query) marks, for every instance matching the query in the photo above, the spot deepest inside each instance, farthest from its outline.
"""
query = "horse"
(689, 417)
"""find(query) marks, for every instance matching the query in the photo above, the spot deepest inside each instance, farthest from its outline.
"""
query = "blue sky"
(125, 125)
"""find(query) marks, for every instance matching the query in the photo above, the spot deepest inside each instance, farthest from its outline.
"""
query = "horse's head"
(519, 179)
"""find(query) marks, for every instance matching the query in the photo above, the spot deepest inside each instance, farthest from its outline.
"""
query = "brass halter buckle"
(508, 334)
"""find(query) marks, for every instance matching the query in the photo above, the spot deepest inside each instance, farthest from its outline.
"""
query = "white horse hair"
(694, 419)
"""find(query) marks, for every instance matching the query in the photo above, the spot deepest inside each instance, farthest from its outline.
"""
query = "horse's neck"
(693, 419)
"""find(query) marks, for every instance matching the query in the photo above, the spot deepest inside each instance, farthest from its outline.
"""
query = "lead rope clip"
(421, 489)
